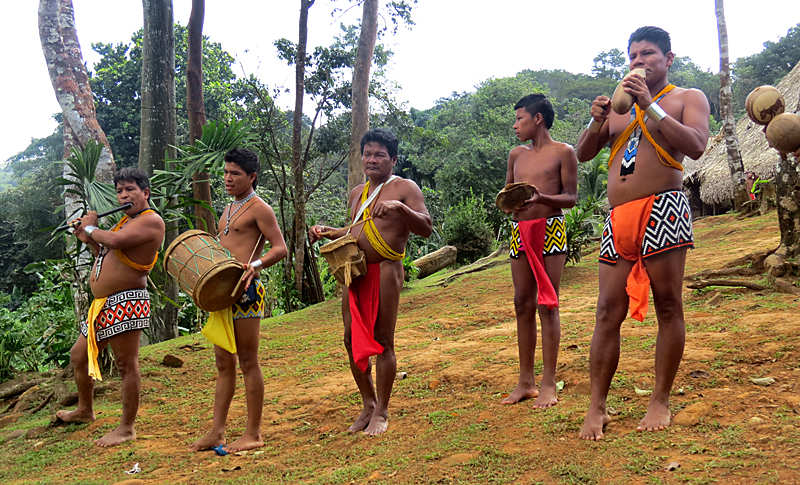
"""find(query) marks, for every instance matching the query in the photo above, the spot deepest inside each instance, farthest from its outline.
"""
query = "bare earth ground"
(458, 346)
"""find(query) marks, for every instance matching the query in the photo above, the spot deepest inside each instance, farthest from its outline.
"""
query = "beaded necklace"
(232, 211)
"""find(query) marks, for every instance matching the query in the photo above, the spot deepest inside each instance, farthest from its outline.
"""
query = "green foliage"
(611, 65)
(39, 333)
(687, 74)
(581, 225)
(467, 228)
(593, 177)
(80, 180)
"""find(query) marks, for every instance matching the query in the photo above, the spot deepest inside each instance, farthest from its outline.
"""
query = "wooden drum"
(204, 270)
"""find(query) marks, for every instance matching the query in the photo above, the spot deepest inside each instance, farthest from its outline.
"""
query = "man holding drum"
(649, 228)
(390, 208)
(244, 228)
(121, 309)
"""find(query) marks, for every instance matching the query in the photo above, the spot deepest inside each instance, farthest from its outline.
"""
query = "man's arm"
(412, 209)
(267, 223)
(315, 232)
(590, 144)
(136, 232)
(512, 160)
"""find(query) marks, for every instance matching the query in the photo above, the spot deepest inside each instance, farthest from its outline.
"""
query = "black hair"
(382, 137)
(656, 35)
(130, 174)
(538, 103)
(247, 160)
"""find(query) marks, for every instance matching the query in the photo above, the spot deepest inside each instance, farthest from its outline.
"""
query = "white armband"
(655, 112)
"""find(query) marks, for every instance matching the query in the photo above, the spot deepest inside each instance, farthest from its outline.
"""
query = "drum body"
(346, 261)
(204, 270)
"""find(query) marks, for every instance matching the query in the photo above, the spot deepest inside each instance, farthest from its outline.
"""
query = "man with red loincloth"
(121, 308)
(539, 243)
(649, 230)
(393, 208)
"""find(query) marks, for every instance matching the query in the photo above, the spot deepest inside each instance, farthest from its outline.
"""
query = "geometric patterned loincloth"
(123, 311)
(251, 304)
(669, 226)
(555, 238)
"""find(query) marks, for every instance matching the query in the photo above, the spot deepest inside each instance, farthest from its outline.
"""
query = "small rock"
(584, 387)
(15, 434)
(35, 432)
(691, 415)
(10, 419)
(763, 399)
(787, 429)
(38, 445)
(672, 466)
(744, 396)
(724, 381)
(485, 416)
(433, 384)
(172, 361)
(699, 374)
(611, 411)
(755, 421)
(762, 381)
(459, 458)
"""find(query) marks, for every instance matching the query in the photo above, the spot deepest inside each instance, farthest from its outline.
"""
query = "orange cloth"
(532, 234)
(629, 222)
(623, 138)
(364, 300)
(122, 257)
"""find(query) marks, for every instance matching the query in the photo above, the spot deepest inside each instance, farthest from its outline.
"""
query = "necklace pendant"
(225, 231)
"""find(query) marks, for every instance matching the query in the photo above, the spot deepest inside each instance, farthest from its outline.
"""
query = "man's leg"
(386, 362)
(126, 354)
(551, 335)
(79, 357)
(363, 379)
(612, 307)
(223, 394)
(525, 296)
(666, 279)
(248, 331)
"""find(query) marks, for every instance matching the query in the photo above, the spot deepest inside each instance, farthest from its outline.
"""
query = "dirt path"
(457, 345)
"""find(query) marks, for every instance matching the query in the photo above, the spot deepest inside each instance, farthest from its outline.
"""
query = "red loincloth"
(532, 235)
(365, 292)
(629, 221)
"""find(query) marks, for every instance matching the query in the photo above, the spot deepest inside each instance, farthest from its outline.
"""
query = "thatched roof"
(711, 171)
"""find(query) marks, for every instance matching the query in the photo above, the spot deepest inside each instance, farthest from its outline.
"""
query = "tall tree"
(740, 195)
(360, 90)
(158, 130)
(196, 110)
(70, 79)
(299, 239)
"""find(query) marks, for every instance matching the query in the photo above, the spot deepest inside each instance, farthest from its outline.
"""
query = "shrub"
(581, 225)
(466, 227)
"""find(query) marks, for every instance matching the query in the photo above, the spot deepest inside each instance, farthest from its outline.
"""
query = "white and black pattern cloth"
(669, 226)
(123, 311)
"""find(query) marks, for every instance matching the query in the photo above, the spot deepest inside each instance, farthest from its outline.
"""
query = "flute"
(107, 213)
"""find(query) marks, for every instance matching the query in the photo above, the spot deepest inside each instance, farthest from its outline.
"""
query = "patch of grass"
(574, 474)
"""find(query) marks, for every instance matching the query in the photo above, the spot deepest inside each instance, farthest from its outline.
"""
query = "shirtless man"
(397, 210)
(121, 309)
(244, 227)
(649, 228)
(552, 168)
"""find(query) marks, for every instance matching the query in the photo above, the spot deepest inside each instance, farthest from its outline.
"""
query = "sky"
(454, 45)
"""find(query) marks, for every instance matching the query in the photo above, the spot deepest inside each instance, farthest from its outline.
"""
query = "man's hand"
(383, 209)
(249, 273)
(535, 199)
(315, 233)
(601, 108)
(635, 85)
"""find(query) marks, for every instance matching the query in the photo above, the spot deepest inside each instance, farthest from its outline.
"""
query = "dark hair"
(538, 103)
(129, 174)
(382, 137)
(656, 35)
(246, 159)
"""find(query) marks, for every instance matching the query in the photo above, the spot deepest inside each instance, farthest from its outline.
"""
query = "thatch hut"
(708, 181)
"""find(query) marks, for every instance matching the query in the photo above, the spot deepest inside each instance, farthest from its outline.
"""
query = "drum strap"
(632, 135)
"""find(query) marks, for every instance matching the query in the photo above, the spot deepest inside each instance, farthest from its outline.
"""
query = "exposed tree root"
(754, 260)
(746, 284)
(713, 273)
(471, 269)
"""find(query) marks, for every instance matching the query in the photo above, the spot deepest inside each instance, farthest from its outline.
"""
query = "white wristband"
(89, 230)
(594, 125)
(256, 264)
(655, 112)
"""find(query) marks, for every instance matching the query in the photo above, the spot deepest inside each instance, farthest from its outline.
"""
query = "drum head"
(213, 291)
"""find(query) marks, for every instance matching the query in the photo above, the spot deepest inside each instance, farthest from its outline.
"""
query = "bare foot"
(76, 416)
(246, 442)
(208, 441)
(520, 393)
(657, 417)
(362, 421)
(116, 437)
(594, 424)
(547, 398)
(377, 425)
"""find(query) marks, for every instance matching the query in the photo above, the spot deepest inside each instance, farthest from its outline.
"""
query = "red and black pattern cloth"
(123, 311)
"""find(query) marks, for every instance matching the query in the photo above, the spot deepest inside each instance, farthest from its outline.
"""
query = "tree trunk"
(70, 79)
(787, 187)
(196, 111)
(158, 134)
(740, 193)
(299, 240)
(360, 90)
(433, 262)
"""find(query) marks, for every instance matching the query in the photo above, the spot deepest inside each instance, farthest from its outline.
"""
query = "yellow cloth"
(219, 329)
(665, 157)
(374, 237)
(91, 338)
(122, 257)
